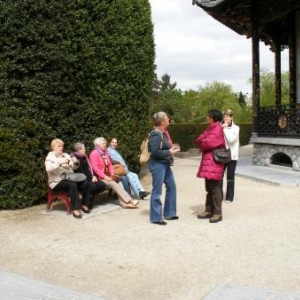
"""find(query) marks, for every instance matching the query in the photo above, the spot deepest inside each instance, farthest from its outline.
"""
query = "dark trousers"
(88, 189)
(100, 186)
(213, 202)
(72, 189)
(231, 166)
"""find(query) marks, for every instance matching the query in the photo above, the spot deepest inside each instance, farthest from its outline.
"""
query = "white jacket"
(54, 170)
(232, 140)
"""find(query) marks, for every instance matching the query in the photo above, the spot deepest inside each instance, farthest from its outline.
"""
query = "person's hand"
(225, 124)
(94, 179)
(115, 177)
(63, 161)
(174, 150)
(107, 178)
(75, 160)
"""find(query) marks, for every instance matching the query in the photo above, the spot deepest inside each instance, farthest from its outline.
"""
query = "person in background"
(85, 167)
(231, 132)
(133, 178)
(57, 162)
(161, 159)
(103, 169)
(210, 170)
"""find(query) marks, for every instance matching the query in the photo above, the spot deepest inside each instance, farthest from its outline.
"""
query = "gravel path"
(118, 254)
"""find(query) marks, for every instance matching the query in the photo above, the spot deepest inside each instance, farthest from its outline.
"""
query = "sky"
(195, 49)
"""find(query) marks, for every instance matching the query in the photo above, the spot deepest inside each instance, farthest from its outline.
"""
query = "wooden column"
(292, 59)
(278, 74)
(255, 66)
(297, 55)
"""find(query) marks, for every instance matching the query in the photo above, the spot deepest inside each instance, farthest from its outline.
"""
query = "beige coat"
(54, 170)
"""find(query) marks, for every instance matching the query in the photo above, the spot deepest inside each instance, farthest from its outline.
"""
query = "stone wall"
(262, 154)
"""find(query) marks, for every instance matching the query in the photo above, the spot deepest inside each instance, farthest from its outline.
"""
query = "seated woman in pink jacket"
(211, 171)
(103, 169)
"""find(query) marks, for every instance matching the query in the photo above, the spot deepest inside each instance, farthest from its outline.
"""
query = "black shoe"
(172, 218)
(143, 194)
(87, 211)
(160, 223)
(228, 201)
(77, 216)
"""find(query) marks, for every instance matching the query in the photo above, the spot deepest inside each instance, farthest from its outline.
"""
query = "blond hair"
(56, 142)
(227, 112)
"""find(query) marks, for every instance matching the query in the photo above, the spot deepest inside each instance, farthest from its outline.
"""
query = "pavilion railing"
(279, 121)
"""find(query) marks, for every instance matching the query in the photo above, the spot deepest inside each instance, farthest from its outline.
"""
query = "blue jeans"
(125, 183)
(134, 183)
(162, 174)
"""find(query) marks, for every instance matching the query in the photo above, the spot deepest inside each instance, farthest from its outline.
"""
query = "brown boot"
(215, 219)
(204, 215)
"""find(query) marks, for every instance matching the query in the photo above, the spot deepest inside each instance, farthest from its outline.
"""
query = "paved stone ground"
(15, 287)
(117, 254)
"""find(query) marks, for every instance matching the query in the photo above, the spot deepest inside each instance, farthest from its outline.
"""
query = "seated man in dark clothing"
(86, 168)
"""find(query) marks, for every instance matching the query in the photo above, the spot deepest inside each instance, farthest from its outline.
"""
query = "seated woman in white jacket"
(231, 133)
(57, 163)
(133, 178)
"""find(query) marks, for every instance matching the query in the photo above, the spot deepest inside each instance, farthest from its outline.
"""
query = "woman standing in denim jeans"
(162, 151)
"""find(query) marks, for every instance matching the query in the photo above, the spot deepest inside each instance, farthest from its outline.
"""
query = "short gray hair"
(98, 141)
(159, 117)
(78, 146)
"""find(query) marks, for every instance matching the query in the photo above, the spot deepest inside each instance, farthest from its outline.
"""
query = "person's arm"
(115, 156)
(157, 146)
(51, 162)
(232, 134)
(97, 164)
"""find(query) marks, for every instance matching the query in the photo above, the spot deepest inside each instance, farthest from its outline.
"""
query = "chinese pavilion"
(276, 128)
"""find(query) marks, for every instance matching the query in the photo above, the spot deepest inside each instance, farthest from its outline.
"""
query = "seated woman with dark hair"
(58, 163)
(133, 179)
(85, 167)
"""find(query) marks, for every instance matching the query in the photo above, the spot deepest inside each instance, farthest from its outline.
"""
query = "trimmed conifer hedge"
(75, 70)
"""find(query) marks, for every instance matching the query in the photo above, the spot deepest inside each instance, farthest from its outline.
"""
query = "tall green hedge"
(186, 134)
(72, 69)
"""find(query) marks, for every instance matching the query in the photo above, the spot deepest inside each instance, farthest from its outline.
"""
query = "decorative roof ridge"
(207, 4)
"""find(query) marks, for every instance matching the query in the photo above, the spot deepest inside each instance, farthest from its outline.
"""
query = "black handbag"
(222, 156)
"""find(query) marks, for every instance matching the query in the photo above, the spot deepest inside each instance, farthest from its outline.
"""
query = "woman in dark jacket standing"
(162, 151)
(94, 186)
(211, 171)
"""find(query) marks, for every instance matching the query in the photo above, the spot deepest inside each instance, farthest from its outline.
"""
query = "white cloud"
(193, 48)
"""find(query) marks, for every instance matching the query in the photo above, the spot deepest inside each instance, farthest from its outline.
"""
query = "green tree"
(267, 88)
(74, 70)
(165, 97)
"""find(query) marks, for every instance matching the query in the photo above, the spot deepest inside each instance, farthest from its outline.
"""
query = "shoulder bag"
(76, 177)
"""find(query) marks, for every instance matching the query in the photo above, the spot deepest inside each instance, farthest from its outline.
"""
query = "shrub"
(74, 70)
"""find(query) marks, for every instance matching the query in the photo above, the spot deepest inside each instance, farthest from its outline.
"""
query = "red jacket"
(210, 139)
(98, 164)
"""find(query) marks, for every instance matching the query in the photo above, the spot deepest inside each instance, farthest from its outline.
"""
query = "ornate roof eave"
(237, 15)
(228, 12)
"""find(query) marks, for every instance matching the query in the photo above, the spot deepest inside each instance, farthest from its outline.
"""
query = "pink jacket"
(210, 139)
(98, 164)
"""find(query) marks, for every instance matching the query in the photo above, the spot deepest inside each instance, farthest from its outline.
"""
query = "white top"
(232, 140)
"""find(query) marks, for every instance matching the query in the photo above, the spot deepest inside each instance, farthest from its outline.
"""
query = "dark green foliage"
(186, 134)
(73, 69)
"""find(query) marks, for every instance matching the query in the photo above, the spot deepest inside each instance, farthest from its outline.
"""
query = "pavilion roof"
(273, 17)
